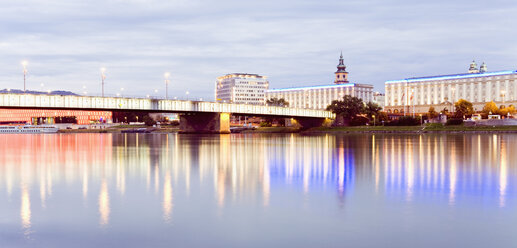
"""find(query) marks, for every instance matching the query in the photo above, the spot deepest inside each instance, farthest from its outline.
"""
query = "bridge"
(195, 116)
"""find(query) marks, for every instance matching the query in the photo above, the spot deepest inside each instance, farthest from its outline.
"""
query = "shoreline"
(333, 130)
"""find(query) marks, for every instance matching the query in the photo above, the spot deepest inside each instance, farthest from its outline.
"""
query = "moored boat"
(28, 129)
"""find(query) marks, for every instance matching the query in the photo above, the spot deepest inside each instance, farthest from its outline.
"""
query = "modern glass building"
(241, 88)
(52, 116)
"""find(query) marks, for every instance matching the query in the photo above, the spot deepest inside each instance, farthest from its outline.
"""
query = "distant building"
(379, 99)
(319, 97)
(53, 116)
(416, 95)
(241, 88)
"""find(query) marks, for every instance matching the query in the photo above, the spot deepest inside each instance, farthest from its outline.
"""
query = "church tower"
(341, 73)
(473, 67)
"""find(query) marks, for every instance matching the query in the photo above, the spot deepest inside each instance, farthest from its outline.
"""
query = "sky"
(293, 43)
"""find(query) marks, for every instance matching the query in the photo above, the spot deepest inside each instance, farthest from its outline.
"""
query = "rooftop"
(244, 75)
(319, 87)
(452, 76)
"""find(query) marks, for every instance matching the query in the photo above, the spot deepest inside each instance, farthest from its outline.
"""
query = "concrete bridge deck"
(199, 112)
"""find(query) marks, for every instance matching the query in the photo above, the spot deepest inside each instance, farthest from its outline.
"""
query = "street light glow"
(103, 76)
(24, 64)
(166, 76)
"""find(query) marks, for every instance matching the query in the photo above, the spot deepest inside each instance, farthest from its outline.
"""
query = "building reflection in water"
(245, 167)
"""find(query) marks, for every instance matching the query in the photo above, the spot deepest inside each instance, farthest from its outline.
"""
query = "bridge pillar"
(205, 123)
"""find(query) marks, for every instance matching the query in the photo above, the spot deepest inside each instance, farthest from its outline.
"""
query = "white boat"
(28, 129)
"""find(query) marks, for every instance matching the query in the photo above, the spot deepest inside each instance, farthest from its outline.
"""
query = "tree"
(490, 108)
(382, 116)
(463, 108)
(445, 111)
(370, 109)
(431, 113)
(508, 110)
(348, 108)
(277, 102)
(148, 121)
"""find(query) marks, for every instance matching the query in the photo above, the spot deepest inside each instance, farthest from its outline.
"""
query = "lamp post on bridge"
(166, 76)
(24, 64)
(187, 94)
(103, 76)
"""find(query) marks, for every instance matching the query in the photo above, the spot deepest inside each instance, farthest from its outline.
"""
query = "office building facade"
(241, 88)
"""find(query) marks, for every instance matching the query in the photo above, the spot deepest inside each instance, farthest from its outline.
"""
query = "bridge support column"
(205, 123)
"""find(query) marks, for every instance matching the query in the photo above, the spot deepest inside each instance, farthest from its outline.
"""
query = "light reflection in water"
(25, 209)
(167, 198)
(241, 168)
(104, 204)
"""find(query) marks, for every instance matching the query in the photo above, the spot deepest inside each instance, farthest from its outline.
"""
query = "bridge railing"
(128, 104)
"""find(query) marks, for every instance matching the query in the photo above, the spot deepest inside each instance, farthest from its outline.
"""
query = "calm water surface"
(170, 190)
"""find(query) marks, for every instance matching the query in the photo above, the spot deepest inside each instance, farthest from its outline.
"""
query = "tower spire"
(341, 73)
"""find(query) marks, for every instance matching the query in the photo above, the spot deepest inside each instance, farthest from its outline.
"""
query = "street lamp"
(452, 100)
(24, 64)
(373, 116)
(411, 99)
(103, 76)
(502, 95)
(166, 76)
(122, 92)
(187, 94)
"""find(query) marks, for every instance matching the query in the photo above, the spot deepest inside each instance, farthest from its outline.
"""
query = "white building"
(416, 95)
(319, 97)
(241, 88)
(379, 99)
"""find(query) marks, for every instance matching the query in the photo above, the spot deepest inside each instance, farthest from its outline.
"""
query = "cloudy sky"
(294, 43)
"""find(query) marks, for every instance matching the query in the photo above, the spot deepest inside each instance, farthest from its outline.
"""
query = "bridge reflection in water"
(105, 173)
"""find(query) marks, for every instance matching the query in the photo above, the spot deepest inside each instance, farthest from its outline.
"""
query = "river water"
(258, 190)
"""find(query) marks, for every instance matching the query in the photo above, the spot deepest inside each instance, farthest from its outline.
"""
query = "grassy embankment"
(416, 129)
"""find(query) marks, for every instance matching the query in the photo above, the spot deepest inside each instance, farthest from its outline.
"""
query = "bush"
(405, 121)
(434, 125)
(265, 124)
(359, 121)
(148, 121)
(454, 121)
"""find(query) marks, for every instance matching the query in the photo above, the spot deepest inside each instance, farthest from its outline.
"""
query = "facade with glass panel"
(241, 88)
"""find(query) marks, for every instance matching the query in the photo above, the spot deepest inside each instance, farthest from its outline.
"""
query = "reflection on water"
(104, 204)
(145, 174)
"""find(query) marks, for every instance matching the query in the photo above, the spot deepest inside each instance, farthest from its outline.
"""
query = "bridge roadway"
(195, 116)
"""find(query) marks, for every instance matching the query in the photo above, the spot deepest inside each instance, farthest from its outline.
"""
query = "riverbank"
(358, 129)
(121, 128)
(415, 129)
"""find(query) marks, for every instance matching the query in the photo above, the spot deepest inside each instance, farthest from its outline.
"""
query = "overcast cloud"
(294, 43)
